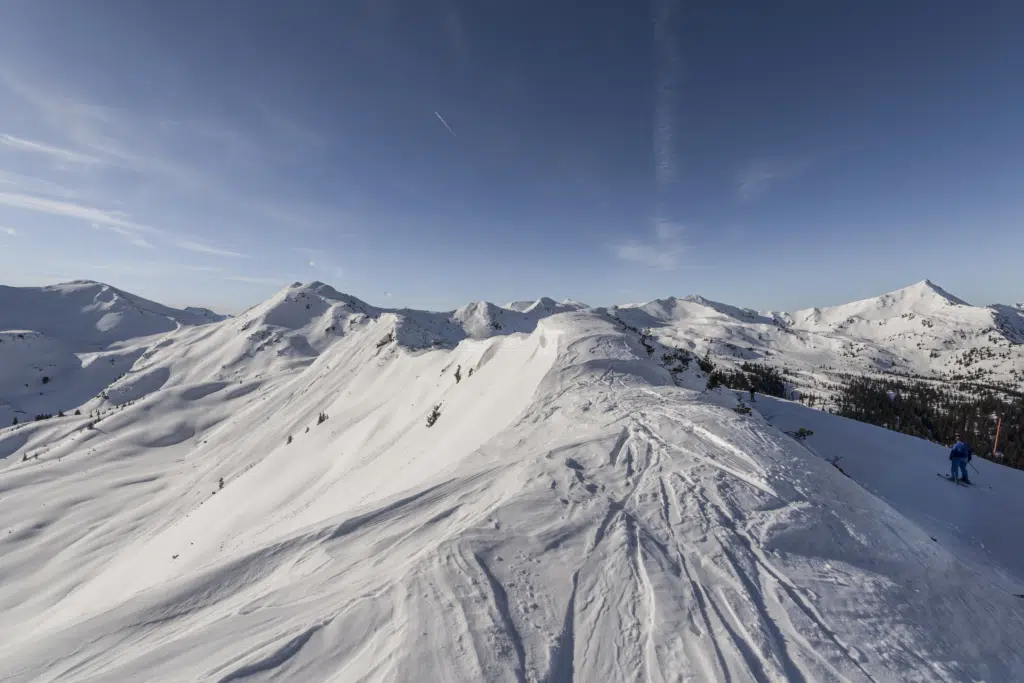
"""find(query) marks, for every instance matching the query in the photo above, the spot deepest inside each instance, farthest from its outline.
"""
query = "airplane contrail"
(441, 119)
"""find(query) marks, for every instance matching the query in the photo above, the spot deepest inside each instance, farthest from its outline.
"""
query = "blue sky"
(432, 152)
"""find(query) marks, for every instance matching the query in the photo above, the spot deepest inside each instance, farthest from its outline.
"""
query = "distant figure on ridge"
(960, 456)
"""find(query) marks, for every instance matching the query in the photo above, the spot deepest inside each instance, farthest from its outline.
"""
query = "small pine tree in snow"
(321, 418)
(220, 484)
(78, 411)
(434, 414)
(14, 422)
(705, 364)
(470, 372)
(801, 434)
(458, 374)
(46, 380)
(289, 439)
(714, 381)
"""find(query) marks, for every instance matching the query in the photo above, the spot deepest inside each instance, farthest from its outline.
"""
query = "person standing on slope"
(960, 456)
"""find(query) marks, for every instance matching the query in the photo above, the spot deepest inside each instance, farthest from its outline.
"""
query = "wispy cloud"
(647, 255)
(8, 231)
(258, 280)
(140, 267)
(207, 249)
(757, 177)
(668, 70)
(662, 253)
(165, 155)
(131, 236)
(455, 27)
(33, 185)
(54, 207)
(56, 153)
(110, 136)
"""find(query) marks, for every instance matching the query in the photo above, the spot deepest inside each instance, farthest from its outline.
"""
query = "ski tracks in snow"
(612, 529)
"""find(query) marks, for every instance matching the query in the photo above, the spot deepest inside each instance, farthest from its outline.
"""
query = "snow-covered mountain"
(320, 489)
(920, 330)
(90, 314)
(64, 344)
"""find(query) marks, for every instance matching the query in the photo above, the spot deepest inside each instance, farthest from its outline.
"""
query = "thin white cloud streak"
(456, 30)
(441, 119)
(33, 185)
(113, 221)
(157, 150)
(149, 268)
(207, 249)
(131, 236)
(66, 209)
(756, 178)
(667, 76)
(103, 132)
(257, 280)
(57, 153)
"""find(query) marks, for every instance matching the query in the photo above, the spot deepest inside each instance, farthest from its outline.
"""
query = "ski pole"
(973, 467)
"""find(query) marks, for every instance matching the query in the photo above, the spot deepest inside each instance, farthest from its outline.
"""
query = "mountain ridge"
(267, 496)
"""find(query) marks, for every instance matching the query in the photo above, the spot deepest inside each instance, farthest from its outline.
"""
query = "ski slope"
(898, 469)
(575, 513)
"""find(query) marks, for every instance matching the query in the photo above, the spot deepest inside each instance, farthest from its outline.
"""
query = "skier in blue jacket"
(960, 456)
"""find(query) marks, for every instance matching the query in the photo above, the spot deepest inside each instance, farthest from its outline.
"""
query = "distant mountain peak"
(927, 287)
(545, 304)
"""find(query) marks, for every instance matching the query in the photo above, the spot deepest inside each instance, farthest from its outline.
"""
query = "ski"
(949, 478)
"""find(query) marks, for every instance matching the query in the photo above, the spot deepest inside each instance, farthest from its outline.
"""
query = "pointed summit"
(923, 299)
(929, 288)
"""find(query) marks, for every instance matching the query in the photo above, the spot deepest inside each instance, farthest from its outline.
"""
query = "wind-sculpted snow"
(574, 514)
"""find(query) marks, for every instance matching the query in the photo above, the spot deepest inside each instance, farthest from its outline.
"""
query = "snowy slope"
(930, 329)
(920, 330)
(90, 314)
(899, 469)
(575, 513)
(62, 345)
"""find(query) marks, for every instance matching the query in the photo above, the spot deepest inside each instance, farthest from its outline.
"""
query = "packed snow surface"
(261, 498)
